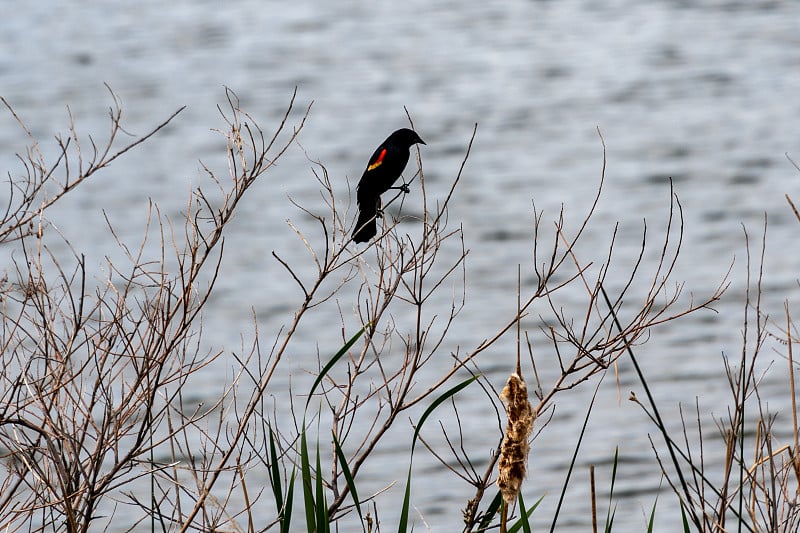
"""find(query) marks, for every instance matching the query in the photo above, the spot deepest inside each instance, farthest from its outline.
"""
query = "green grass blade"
(686, 528)
(651, 523)
(436, 403)
(308, 488)
(491, 512)
(403, 524)
(286, 519)
(275, 472)
(322, 503)
(612, 509)
(574, 460)
(610, 519)
(348, 476)
(338, 355)
(524, 521)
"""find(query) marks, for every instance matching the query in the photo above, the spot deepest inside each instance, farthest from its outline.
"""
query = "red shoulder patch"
(378, 160)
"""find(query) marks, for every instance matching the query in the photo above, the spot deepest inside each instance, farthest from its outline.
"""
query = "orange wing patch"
(377, 161)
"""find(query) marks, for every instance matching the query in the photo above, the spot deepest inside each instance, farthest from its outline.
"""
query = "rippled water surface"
(705, 93)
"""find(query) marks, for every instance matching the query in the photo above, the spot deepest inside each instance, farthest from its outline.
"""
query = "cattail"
(514, 452)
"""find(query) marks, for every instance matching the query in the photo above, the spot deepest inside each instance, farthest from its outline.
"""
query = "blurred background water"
(704, 92)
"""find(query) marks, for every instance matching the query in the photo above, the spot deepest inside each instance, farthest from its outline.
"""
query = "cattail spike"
(513, 461)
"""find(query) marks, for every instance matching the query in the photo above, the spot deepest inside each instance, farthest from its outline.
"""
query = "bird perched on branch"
(383, 169)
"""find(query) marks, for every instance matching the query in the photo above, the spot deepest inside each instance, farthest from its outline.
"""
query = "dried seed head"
(514, 451)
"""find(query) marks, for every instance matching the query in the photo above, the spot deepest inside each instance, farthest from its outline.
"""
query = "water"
(702, 92)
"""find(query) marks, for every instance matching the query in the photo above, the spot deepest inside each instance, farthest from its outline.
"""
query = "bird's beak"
(421, 141)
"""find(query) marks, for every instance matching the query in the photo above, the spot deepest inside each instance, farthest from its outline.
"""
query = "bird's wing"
(377, 159)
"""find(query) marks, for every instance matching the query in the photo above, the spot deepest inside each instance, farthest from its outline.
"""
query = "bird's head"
(405, 136)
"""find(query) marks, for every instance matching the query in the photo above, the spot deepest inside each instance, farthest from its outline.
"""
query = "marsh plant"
(96, 414)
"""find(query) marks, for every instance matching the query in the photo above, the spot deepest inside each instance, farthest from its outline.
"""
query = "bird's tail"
(366, 228)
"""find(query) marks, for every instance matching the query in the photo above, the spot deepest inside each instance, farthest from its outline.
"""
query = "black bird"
(383, 169)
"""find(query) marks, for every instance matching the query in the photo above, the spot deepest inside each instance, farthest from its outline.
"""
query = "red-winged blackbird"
(383, 169)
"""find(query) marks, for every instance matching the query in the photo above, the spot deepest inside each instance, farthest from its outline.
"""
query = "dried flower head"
(514, 452)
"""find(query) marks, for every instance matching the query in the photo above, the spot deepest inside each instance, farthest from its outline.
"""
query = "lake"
(704, 93)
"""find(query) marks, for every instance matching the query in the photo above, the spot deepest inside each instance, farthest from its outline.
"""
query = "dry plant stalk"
(583, 337)
(94, 377)
(759, 483)
(513, 461)
(95, 382)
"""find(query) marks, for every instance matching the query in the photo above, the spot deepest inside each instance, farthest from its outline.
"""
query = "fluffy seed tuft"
(513, 461)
